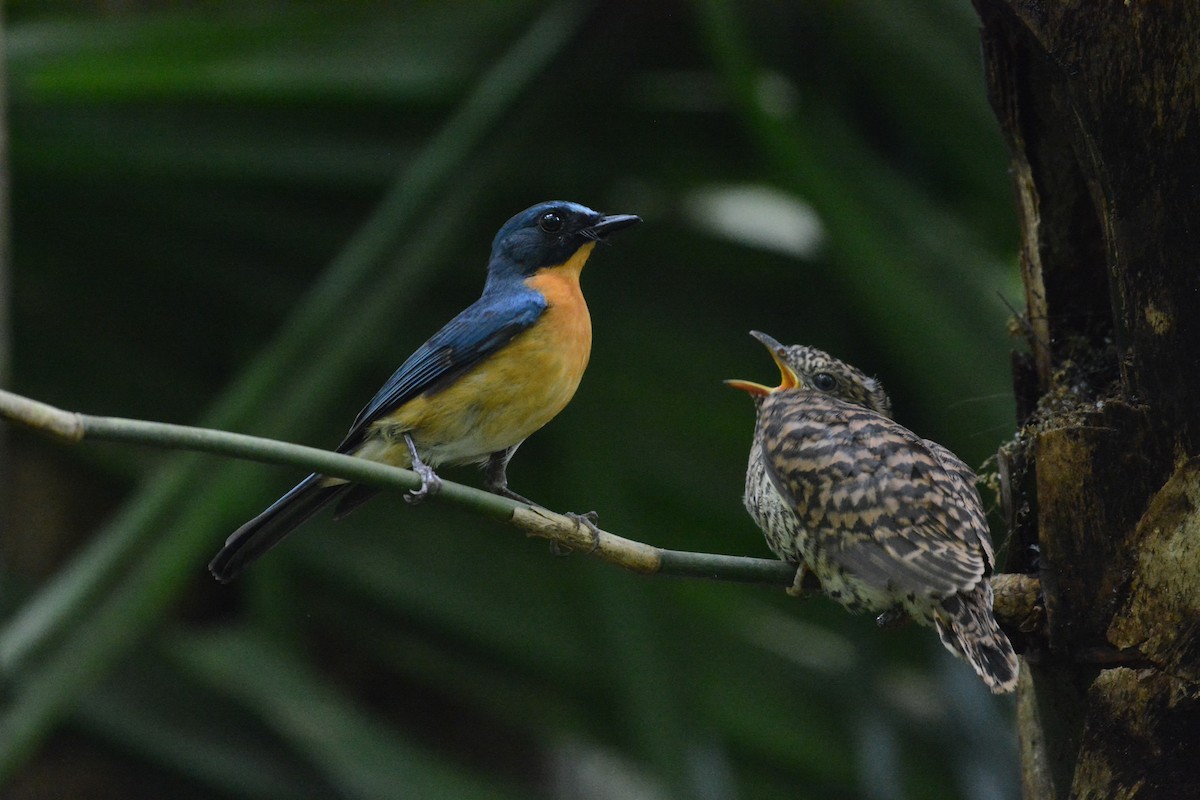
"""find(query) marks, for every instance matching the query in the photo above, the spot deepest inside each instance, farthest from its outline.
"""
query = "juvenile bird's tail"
(968, 629)
(267, 529)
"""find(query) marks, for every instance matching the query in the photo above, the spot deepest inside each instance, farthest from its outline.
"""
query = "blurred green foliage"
(247, 214)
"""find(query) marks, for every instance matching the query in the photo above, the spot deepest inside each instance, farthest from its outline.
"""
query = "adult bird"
(886, 520)
(474, 391)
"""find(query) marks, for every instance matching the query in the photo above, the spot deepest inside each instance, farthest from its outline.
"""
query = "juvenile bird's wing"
(878, 501)
(963, 479)
(481, 329)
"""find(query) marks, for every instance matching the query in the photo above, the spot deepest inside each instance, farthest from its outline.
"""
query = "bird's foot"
(893, 619)
(589, 520)
(431, 484)
(797, 588)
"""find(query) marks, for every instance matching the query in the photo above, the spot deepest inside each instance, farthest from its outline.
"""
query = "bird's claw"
(797, 588)
(431, 484)
(589, 520)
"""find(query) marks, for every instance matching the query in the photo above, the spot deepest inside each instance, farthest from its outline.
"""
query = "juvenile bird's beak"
(787, 378)
(613, 223)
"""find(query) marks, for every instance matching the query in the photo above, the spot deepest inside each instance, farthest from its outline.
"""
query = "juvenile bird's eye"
(824, 381)
(550, 222)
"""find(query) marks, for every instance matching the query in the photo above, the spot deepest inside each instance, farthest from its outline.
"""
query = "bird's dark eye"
(824, 381)
(550, 222)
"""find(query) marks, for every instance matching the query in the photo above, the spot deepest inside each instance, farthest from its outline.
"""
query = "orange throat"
(564, 332)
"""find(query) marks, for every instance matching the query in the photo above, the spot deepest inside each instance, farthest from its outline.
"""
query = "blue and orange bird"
(496, 373)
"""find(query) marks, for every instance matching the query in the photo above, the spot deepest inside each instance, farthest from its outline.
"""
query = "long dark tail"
(969, 630)
(268, 529)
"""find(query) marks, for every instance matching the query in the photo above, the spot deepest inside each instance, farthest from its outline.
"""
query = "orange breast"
(510, 394)
(562, 338)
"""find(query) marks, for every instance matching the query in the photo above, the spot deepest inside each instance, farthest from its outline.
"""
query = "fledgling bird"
(474, 391)
(885, 519)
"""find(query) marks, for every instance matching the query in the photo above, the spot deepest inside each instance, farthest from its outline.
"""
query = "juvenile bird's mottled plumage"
(884, 518)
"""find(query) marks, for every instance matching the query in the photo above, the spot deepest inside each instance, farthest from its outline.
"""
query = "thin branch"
(1017, 596)
(536, 521)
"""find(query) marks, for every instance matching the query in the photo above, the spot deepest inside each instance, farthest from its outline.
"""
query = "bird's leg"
(496, 481)
(496, 478)
(797, 588)
(431, 484)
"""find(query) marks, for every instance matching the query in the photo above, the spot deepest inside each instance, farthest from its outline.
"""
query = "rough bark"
(1100, 105)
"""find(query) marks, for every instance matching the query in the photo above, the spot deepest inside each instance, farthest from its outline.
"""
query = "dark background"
(248, 214)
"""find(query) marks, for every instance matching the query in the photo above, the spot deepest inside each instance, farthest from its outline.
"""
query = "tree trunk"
(1100, 105)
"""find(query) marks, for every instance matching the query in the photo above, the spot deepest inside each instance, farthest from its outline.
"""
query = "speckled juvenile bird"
(885, 519)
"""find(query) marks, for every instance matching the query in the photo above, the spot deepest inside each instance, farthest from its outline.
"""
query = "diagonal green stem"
(624, 552)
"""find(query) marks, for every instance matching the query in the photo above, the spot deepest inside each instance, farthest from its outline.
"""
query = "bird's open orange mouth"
(788, 379)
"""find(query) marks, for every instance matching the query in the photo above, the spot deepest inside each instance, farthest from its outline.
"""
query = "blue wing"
(480, 330)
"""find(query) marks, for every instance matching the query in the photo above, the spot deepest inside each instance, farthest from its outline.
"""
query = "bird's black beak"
(612, 223)
(788, 379)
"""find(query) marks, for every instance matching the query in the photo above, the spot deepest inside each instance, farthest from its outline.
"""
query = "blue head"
(547, 235)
